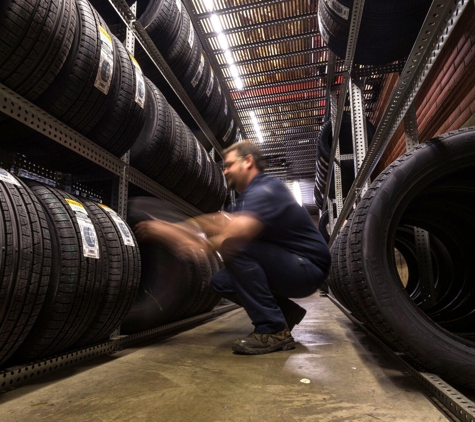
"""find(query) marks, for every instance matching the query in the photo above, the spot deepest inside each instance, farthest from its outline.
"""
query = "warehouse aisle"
(335, 374)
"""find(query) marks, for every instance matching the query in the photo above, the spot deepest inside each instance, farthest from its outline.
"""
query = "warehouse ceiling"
(281, 61)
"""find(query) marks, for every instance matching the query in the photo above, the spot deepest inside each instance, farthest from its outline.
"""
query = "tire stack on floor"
(347, 167)
(70, 270)
(429, 314)
(174, 284)
(387, 32)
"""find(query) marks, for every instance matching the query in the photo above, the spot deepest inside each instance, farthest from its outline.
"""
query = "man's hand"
(172, 236)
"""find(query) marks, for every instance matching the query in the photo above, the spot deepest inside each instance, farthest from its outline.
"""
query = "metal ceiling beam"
(280, 70)
(300, 110)
(262, 25)
(258, 44)
(245, 107)
(282, 121)
(240, 8)
(280, 94)
(281, 131)
(264, 125)
(312, 78)
(441, 18)
(280, 56)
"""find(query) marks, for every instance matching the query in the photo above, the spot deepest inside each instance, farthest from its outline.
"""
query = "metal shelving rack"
(19, 108)
(442, 17)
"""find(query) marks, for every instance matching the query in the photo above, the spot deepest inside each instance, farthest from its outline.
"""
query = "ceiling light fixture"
(209, 4)
(216, 23)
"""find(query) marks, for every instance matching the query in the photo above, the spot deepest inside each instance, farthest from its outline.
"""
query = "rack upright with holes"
(438, 25)
(13, 105)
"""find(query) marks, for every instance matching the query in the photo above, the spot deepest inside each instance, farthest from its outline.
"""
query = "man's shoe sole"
(287, 344)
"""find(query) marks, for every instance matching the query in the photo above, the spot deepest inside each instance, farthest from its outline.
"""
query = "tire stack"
(169, 26)
(347, 167)
(87, 79)
(96, 89)
(174, 284)
(430, 318)
(167, 151)
(70, 272)
(387, 32)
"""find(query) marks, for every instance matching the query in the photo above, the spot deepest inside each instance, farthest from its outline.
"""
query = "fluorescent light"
(229, 57)
(296, 191)
(223, 42)
(234, 71)
(239, 83)
(256, 126)
(217, 27)
(209, 4)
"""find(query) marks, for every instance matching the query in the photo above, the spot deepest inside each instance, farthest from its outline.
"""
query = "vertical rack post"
(421, 236)
(358, 125)
(336, 169)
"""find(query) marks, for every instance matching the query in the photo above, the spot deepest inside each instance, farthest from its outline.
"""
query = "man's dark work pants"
(261, 276)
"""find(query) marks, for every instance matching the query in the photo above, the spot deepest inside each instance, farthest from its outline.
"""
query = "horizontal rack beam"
(19, 108)
(22, 374)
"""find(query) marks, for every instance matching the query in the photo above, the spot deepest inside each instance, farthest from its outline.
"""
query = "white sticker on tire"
(139, 83)
(90, 245)
(225, 106)
(210, 83)
(198, 152)
(340, 9)
(228, 133)
(199, 72)
(9, 178)
(178, 4)
(191, 36)
(121, 225)
(106, 62)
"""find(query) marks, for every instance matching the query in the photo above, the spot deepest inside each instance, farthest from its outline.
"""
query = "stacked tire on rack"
(70, 270)
(347, 167)
(169, 26)
(86, 78)
(167, 151)
(431, 320)
(380, 39)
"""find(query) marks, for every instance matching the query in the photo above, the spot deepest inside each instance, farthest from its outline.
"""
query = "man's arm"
(244, 227)
(176, 236)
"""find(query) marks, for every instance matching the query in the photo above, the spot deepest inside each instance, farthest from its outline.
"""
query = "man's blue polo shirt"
(286, 223)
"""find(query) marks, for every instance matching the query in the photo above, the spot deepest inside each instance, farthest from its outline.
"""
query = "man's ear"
(248, 161)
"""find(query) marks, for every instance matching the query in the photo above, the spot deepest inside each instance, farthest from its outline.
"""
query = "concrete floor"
(336, 373)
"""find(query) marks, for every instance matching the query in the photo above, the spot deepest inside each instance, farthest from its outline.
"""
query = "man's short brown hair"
(247, 147)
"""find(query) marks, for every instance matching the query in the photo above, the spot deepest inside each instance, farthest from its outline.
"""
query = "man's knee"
(220, 281)
(232, 247)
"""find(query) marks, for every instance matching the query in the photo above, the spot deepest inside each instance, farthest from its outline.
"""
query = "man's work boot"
(258, 343)
(293, 314)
